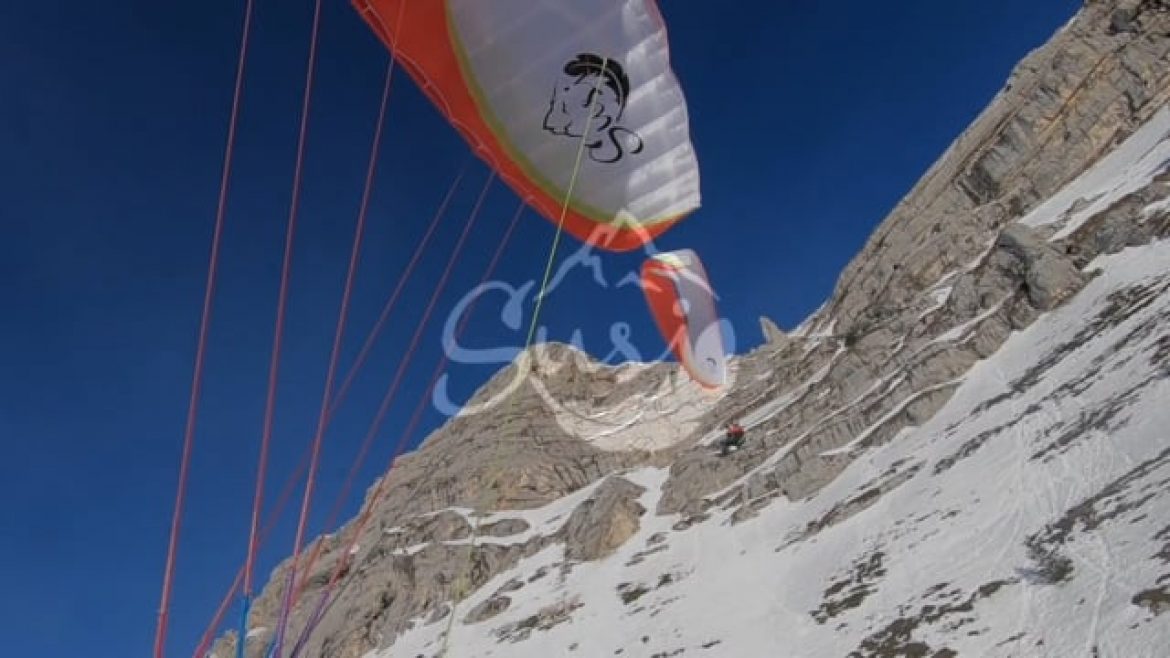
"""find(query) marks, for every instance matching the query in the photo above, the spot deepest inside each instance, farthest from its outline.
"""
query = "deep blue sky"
(811, 120)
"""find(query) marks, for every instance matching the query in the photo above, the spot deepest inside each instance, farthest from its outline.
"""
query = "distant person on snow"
(734, 438)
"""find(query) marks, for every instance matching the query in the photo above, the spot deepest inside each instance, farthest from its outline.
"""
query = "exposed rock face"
(941, 284)
(443, 526)
(1049, 275)
(504, 528)
(604, 522)
(1124, 224)
(942, 258)
(1064, 105)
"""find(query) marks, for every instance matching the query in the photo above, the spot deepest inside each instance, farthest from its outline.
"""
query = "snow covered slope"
(1030, 517)
(962, 453)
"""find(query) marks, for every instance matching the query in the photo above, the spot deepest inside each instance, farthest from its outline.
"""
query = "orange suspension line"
(160, 635)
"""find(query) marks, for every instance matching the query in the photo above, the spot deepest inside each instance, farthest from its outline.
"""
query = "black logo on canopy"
(590, 81)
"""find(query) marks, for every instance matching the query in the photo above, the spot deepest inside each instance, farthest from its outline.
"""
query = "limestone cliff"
(962, 263)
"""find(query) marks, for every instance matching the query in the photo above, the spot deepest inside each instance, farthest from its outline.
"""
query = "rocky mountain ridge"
(581, 460)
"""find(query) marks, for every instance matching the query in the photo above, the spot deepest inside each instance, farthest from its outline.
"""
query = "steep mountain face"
(963, 452)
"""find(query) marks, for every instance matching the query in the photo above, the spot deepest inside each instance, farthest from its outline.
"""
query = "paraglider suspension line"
(285, 276)
(201, 348)
(460, 584)
(411, 426)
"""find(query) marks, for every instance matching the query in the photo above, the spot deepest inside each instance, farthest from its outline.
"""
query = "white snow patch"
(1128, 168)
(726, 590)
(958, 331)
(1156, 208)
(938, 298)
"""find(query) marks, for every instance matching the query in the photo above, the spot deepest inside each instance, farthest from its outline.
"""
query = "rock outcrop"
(774, 337)
(603, 522)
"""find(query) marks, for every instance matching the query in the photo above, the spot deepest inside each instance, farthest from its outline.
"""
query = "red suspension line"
(392, 392)
(282, 298)
(160, 636)
(359, 233)
(412, 425)
(286, 492)
(291, 592)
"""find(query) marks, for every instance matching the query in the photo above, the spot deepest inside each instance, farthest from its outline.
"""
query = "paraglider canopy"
(683, 305)
(573, 102)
